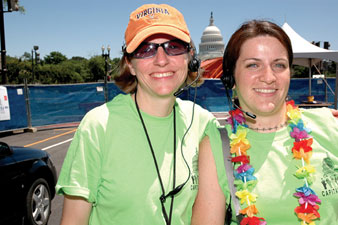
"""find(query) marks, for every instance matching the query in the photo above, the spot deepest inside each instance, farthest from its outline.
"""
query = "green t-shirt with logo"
(110, 164)
(271, 156)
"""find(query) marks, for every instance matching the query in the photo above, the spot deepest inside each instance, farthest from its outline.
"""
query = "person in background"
(134, 160)
(285, 158)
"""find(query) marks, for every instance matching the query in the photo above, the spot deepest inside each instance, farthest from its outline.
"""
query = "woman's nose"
(161, 57)
(268, 75)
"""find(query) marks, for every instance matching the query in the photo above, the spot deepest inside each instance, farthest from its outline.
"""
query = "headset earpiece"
(227, 77)
(228, 80)
(124, 48)
(194, 64)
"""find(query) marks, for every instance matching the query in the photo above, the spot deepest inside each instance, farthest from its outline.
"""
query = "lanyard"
(172, 193)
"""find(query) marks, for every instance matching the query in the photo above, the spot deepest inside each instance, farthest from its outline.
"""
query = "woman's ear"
(130, 66)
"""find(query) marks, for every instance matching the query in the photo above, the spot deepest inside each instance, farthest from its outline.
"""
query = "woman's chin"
(268, 108)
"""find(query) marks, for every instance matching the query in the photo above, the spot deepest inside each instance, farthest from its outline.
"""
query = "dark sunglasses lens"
(145, 50)
(175, 48)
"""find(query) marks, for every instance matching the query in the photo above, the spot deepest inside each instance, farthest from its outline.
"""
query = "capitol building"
(212, 45)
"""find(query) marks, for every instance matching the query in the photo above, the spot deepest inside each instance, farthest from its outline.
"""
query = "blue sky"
(81, 27)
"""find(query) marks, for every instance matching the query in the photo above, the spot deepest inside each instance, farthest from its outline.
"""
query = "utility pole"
(35, 61)
(12, 6)
(4, 78)
(106, 64)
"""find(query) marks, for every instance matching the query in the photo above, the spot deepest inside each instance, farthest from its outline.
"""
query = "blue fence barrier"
(17, 108)
(211, 95)
(53, 104)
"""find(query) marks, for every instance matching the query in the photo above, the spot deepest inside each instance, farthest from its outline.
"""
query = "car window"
(4, 149)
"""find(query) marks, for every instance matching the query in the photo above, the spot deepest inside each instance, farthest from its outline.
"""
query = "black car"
(27, 181)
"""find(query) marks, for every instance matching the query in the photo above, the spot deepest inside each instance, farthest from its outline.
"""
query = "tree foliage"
(327, 68)
(21, 8)
(55, 58)
(56, 68)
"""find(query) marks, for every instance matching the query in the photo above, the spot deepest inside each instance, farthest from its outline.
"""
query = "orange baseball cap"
(152, 19)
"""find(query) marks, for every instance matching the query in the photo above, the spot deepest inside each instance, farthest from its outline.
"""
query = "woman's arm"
(76, 211)
(209, 206)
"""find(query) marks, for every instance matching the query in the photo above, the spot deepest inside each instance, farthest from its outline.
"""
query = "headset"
(228, 81)
(193, 66)
(227, 77)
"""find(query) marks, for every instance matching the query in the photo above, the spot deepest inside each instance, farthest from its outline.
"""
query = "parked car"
(27, 181)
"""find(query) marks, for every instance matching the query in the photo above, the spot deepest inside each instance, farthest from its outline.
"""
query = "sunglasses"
(172, 47)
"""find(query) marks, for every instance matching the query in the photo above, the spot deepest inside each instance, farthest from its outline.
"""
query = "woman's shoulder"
(321, 116)
(317, 112)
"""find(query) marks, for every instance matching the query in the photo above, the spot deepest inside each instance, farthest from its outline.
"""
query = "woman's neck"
(268, 123)
(160, 107)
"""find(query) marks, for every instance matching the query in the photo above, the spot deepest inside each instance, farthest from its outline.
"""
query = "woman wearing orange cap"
(134, 160)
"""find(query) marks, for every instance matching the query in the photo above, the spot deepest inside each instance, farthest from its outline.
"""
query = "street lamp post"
(12, 6)
(106, 63)
(3, 68)
(35, 55)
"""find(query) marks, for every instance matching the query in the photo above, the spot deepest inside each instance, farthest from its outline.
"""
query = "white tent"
(307, 54)
(303, 50)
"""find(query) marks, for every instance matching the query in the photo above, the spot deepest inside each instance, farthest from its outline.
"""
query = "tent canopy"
(303, 50)
(212, 68)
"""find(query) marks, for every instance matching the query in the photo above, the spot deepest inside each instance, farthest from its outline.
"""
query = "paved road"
(55, 140)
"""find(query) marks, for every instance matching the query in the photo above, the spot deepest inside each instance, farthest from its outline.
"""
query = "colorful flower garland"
(245, 181)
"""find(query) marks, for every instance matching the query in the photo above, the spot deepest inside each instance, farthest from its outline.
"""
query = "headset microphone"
(193, 66)
(251, 115)
(180, 91)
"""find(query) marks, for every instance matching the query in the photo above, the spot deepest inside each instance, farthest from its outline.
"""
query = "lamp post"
(35, 60)
(3, 68)
(12, 6)
(106, 57)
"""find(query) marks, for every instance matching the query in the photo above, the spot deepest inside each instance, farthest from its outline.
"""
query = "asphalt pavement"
(54, 139)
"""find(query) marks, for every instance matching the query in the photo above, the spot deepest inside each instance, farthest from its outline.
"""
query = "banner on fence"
(4, 105)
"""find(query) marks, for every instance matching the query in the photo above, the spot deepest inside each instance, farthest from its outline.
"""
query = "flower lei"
(245, 181)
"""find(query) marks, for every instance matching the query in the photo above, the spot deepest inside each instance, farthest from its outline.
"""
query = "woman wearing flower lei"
(285, 158)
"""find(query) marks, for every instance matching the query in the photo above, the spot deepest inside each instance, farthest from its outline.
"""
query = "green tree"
(26, 56)
(96, 69)
(299, 71)
(18, 69)
(57, 69)
(115, 64)
(55, 58)
(331, 70)
(78, 58)
(21, 8)
(80, 66)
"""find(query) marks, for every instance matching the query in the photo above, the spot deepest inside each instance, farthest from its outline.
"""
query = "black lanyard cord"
(172, 193)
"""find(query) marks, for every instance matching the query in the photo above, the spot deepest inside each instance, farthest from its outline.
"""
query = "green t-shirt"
(271, 156)
(110, 164)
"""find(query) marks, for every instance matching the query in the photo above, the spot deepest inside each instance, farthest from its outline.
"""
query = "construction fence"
(25, 106)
